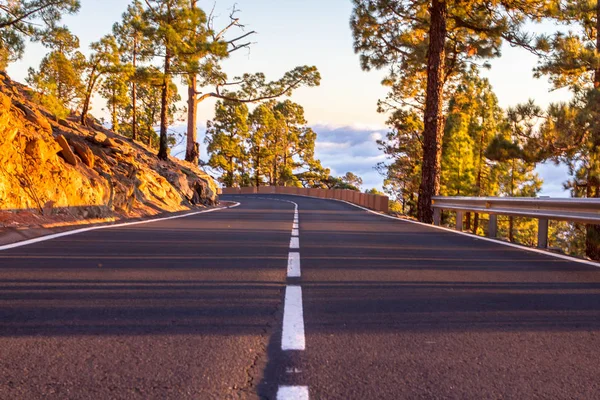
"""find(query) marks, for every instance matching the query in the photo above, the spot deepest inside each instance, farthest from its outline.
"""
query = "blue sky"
(343, 108)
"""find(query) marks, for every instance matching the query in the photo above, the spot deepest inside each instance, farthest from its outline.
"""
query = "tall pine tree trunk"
(192, 151)
(134, 95)
(163, 150)
(479, 179)
(434, 119)
(88, 96)
(257, 171)
(274, 175)
(114, 119)
(592, 236)
(85, 110)
(134, 133)
(511, 219)
(285, 164)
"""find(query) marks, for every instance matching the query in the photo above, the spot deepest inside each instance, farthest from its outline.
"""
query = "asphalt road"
(195, 308)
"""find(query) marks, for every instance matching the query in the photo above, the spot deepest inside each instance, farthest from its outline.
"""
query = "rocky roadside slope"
(59, 172)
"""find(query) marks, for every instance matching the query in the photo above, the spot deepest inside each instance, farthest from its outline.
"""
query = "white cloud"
(351, 149)
(331, 146)
(554, 177)
(376, 136)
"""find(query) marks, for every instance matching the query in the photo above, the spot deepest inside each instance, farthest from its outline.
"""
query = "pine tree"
(517, 178)
(201, 68)
(262, 121)
(374, 191)
(431, 41)
(403, 146)
(115, 91)
(23, 19)
(59, 75)
(135, 48)
(226, 136)
(271, 144)
(248, 88)
(315, 177)
(458, 165)
(572, 60)
(171, 27)
(352, 179)
(104, 59)
(150, 90)
(515, 164)
(205, 63)
(297, 144)
(473, 112)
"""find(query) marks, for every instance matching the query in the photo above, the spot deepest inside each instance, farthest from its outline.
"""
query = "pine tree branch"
(219, 35)
(238, 47)
(232, 42)
(28, 14)
(150, 7)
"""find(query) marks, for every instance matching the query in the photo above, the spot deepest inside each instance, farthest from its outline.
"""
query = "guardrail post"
(437, 216)
(542, 233)
(460, 216)
(493, 226)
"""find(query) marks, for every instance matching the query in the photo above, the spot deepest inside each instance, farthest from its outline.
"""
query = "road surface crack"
(260, 357)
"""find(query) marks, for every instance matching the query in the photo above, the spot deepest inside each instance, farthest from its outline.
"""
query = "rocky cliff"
(60, 169)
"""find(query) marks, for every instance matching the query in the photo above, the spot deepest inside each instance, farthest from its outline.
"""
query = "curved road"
(201, 307)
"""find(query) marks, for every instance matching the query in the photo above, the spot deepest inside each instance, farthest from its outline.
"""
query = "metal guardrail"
(586, 211)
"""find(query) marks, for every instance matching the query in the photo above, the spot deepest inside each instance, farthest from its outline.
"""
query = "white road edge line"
(294, 243)
(295, 225)
(295, 232)
(292, 393)
(293, 269)
(474, 237)
(95, 228)
(292, 336)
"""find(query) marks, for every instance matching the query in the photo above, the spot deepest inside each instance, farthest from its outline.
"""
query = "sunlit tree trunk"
(434, 120)
(134, 132)
(192, 151)
(163, 150)
(592, 237)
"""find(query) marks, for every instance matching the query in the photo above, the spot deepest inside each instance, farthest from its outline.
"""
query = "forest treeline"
(449, 136)
(271, 145)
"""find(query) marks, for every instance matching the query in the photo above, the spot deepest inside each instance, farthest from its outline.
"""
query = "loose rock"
(84, 153)
(110, 143)
(66, 151)
(99, 138)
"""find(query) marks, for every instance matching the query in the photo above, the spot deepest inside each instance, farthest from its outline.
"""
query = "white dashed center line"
(292, 337)
(294, 243)
(293, 270)
(292, 393)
